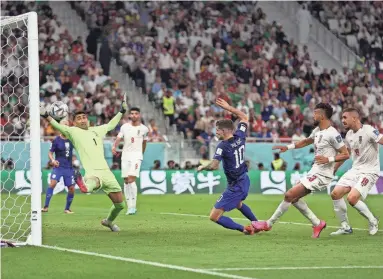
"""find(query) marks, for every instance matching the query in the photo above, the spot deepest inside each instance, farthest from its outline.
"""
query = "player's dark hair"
(134, 109)
(352, 110)
(224, 124)
(326, 108)
(79, 112)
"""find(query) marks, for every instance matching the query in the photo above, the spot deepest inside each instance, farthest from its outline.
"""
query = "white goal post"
(21, 213)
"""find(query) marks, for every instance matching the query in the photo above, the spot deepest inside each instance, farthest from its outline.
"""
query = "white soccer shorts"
(363, 182)
(130, 167)
(315, 182)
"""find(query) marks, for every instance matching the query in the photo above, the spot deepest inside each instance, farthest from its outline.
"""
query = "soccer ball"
(58, 110)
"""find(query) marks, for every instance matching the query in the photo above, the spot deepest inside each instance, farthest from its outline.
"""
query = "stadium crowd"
(187, 54)
(358, 24)
(184, 55)
(67, 72)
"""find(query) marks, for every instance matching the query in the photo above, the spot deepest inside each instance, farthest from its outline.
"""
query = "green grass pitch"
(195, 242)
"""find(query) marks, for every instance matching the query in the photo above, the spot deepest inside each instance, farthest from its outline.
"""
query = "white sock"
(133, 192)
(306, 211)
(364, 211)
(127, 195)
(340, 208)
(282, 208)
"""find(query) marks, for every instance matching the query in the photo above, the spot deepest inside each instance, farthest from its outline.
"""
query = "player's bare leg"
(353, 199)
(130, 189)
(49, 195)
(340, 208)
(118, 205)
(69, 199)
(293, 196)
(216, 215)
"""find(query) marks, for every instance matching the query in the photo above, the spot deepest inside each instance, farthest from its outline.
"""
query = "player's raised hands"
(321, 160)
(222, 103)
(43, 111)
(280, 148)
(124, 105)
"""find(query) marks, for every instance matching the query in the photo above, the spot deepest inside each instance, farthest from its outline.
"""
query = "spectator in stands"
(304, 24)
(105, 56)
(261, 167)
(156, 165)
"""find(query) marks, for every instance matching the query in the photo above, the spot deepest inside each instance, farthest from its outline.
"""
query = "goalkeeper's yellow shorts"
(108, 181)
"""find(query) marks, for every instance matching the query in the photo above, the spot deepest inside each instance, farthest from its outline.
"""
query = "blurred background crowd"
(184, 55)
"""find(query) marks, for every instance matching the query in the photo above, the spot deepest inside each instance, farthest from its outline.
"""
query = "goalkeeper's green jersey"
(89, 143)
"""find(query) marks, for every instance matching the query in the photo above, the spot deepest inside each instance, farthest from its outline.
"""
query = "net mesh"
(15, 152)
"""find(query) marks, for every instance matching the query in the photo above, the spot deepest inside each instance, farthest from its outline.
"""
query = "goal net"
(20, 131)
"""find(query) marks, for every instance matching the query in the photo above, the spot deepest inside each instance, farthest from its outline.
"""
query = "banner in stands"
(159, 182)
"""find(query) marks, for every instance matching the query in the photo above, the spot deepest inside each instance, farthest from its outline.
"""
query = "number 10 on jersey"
(239, 156)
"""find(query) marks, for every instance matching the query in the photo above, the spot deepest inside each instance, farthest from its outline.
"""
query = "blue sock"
(228, 223)
(48, 196)
(69, 199)
(246, 211)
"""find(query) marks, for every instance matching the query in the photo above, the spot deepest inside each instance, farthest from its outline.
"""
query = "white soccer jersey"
(364, 149)
(326, 143)
(133, 139)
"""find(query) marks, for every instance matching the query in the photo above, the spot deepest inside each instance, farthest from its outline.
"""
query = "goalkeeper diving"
(88, 141)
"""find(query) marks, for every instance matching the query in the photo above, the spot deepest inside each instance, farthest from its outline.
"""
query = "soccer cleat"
(342, 231)
(318, 229)
(45, 209)
(80, 182)
(260, 226)
(131, 211)
(249, 230)
(68, 211)
(373, 227)
(110, 225)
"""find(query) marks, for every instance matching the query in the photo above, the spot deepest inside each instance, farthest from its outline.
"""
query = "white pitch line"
(156, 264)
(284, 223)
(295, 268)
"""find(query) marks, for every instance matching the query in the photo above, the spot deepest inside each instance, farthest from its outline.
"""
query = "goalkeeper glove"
(43, 111)
(124, 106)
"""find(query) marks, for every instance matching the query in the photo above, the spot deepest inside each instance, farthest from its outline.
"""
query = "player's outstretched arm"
(240, 114)
(116, 119)
(297, 145)
(63, 129)
(213, 165)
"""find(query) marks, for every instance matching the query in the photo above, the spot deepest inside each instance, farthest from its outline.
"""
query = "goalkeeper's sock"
(48, 196)
(115, 210)
(127, 195)
(228, 223)
(133, 192)
(246, 211)
(301, 205)
(69, 199)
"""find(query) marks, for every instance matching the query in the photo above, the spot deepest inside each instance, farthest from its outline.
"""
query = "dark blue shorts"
(66, 174)
(234, 194)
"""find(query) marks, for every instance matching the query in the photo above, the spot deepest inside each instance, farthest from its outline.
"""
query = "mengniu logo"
(153, 182)
(273, 182)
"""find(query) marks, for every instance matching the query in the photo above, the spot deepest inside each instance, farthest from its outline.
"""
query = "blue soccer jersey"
(232, 154)
(63, 150)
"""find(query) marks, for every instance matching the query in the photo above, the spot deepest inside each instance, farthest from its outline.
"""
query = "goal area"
(20, 131)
